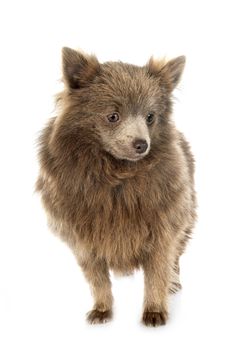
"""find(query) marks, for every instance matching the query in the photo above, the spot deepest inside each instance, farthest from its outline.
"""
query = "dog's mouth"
(129, 155)
(127, 152)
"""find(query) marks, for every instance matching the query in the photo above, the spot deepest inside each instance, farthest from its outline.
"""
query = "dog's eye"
(113, 118)
(149, 118)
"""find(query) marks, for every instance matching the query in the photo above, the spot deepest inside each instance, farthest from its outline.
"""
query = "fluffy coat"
(113, 212)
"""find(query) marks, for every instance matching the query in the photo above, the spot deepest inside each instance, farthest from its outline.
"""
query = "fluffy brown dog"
(116, 177)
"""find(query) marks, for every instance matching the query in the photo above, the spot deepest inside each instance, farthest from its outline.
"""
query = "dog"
(117, 179)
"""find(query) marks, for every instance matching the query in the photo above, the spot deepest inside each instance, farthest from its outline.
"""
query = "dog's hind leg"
(175, 284)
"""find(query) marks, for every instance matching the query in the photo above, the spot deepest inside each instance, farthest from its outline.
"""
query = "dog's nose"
(140, 145)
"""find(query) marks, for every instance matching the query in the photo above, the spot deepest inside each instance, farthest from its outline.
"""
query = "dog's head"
(123, 107)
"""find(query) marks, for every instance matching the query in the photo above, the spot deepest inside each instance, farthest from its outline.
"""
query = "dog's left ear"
(168, 72)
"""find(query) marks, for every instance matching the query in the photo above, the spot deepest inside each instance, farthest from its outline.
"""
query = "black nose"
(140, 145)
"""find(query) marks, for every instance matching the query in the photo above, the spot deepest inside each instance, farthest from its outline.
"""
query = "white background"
(43, 294)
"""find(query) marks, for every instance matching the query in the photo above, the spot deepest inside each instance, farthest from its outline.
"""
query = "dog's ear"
(78, 68)
(168, 72)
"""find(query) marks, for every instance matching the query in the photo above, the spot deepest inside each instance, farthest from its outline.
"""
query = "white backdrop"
(43, 294)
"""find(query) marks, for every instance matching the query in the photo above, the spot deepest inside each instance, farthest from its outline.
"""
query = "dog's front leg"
(157, 272)
(97, 274)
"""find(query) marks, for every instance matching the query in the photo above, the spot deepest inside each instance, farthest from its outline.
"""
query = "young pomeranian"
(116, 177)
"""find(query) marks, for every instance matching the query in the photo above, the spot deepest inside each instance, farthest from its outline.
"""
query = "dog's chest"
(116, 225)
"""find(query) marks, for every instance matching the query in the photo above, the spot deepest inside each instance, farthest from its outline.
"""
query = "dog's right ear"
(79, 69)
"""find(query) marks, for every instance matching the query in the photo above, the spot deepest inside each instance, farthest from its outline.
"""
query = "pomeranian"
(116, 177)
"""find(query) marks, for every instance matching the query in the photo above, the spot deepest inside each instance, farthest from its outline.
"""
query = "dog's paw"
(154, 319)
(96, 316)
(175, 287)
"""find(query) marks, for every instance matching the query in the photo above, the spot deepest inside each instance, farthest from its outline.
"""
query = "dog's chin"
(131, 158)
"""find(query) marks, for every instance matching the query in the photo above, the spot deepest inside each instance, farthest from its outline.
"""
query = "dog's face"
(122, 105)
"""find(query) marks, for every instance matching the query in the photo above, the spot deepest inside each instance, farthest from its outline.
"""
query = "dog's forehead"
(125, 76)
(129, 85)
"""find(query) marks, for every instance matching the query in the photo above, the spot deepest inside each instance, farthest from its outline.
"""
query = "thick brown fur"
(115, 213)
